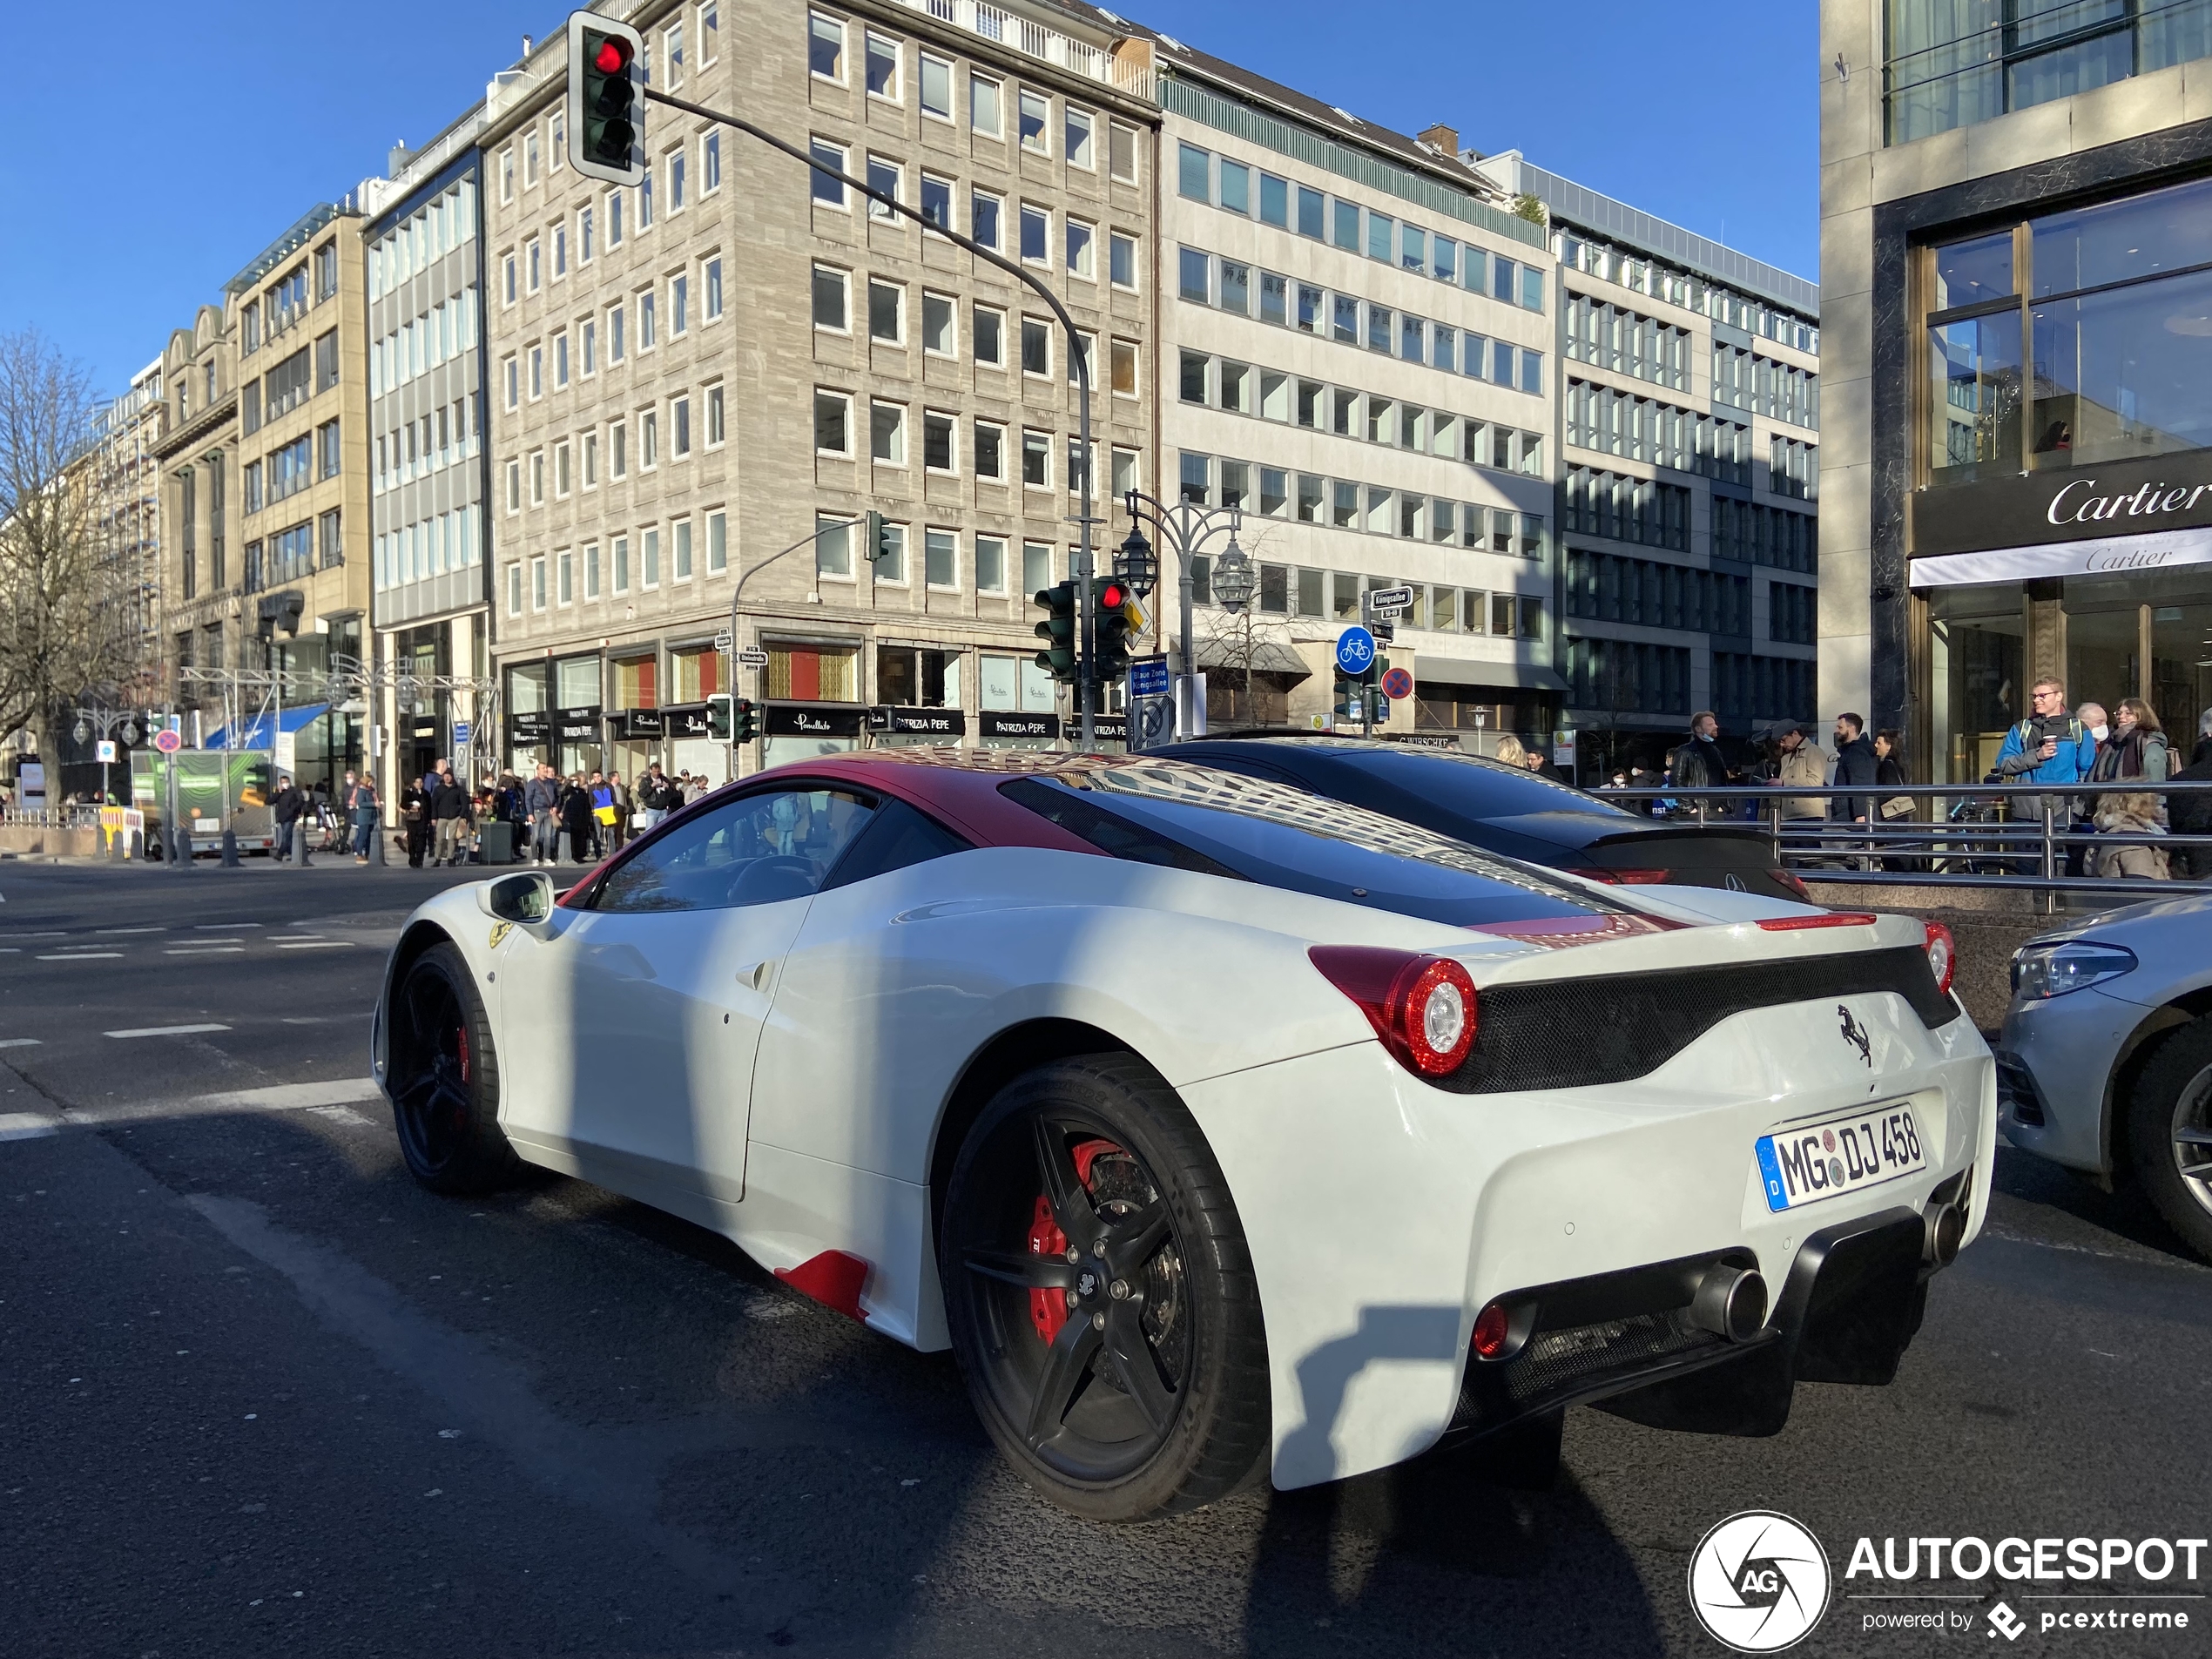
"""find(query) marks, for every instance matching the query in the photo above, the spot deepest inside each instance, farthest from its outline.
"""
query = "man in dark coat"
(287, 807)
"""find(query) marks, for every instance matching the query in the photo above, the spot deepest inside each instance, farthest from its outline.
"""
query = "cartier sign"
(2076, 504)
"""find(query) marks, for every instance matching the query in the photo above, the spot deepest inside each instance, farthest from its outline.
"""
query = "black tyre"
(2169, 1131)
(1101, 1296)
(444, 1079)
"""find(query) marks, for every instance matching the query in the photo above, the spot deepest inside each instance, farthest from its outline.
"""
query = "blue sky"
(1706, 116)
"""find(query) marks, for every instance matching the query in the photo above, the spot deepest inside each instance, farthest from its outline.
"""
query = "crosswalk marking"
(81, 957)
(290, 1097)
(25, 1126)
(164, 1030)
(318, 944)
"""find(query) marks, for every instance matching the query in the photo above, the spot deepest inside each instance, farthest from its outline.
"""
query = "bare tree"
(58, 635)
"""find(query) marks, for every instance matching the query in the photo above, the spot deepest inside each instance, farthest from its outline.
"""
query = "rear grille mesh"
(1570, 1034)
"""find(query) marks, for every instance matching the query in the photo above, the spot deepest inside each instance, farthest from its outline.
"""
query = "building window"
(937, 441)
(1036, 119)
(983, 115)
(887, 433)
(716, 430)
(886, 311)
(1076, 130)
(1036, 459)
(990, 335)
(832, 423)
(825, 46)
(936, 87)
(717, 543)
(983, 212)
(830, 289)
(1122, 160)
(1121, 260)
(882, 66)
(990, 452)
(826, 188)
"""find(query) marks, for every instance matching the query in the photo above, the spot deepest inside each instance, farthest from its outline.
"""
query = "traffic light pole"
(737, 593)
(1087, 628)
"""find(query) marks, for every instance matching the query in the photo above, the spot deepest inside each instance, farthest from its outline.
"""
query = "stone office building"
(1357, 354)
(2016, 247)
(708, 379)
(430, 575)
(1688, 478)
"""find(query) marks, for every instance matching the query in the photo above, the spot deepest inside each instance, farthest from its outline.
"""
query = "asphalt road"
(260, 1394)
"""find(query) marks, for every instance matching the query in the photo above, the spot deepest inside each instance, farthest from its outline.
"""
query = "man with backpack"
(2050, 746)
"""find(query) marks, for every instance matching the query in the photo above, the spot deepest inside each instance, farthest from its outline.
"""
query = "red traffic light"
(613, 56)
(1113, 597)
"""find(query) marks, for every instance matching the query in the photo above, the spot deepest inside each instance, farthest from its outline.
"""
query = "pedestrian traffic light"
(606, 108)
(718, 717)
(879, 548)
(1058, 629)
(745, 723)
(1117, 612)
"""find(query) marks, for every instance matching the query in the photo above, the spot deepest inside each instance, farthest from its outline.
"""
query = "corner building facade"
(2016, 242)
(1688, 478)
(709, 379)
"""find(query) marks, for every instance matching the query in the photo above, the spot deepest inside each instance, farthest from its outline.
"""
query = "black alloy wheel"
(444, 1079)
(1100, 1294)
(2170, 1131)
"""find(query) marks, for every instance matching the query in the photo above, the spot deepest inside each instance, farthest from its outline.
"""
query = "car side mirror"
(526, 896)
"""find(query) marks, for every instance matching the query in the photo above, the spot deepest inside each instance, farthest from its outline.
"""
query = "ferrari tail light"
(1789, 880)
(1492, 1330)
(1943, 955)
(1424, 1008)
(1632, 878)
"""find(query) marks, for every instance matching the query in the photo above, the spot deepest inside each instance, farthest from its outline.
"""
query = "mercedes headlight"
(2053, 970)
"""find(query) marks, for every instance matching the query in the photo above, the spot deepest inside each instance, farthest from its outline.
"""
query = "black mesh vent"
(1554, 1357)
(1567, 1034)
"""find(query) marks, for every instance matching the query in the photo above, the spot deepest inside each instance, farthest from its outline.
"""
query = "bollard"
(138, 846)
(116, 851)
(180, 850)
(375, 843)
(230, 848)
(300, 842)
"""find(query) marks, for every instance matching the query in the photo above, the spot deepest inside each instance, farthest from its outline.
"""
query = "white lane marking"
(291, 1096)
(275, 938)
(164, 1030)
(18, 1042)
(62, 933)
(130, 930)
(345, 1115)
(223, 927)
(26, 1126)
(81, 957)
(207, 950)
(319, 944)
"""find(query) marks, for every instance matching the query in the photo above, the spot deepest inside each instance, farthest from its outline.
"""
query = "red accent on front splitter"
(833, 1279)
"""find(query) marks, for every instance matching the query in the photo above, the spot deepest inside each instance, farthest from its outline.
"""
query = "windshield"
(1162, 811)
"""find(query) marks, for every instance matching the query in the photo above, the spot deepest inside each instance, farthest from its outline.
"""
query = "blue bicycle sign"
(1355, 651)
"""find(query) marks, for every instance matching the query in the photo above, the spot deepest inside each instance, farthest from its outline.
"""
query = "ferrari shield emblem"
(499, 931)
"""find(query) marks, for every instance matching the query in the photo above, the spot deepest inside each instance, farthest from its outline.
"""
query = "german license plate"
(1803, 1166)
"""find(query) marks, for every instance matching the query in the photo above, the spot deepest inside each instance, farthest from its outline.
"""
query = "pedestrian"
(1856, 763)
(1890, 773)
(694, 787)
(414, 814)
(2131, 814)
(602, 814)
(1801, 761)
(449, 817)
(2050, 746)
(1509, 751)
(365, 811)
(1698, 763)
(2191, 814)
(1538, 762)
(2136, 747)
(654, 791)
(576, 818)
(542, 800)
(287, 808)
(623, 809)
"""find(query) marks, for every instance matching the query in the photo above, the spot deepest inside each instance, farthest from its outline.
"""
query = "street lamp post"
(1185, 529)
(105, 722)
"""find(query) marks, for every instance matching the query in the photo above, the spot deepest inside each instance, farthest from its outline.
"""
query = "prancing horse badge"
(1855, 1034)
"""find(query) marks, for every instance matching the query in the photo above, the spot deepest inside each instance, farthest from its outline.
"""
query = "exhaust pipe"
(1946, 1227)
(1730, 1302)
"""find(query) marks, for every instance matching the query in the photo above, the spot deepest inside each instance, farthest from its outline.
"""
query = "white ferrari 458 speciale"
(1208, 1122)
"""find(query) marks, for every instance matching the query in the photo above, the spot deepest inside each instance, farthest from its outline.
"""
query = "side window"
(896, 836)
(757, 849)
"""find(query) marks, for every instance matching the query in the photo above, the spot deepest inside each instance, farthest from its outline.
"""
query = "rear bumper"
(1383, 1215)
(1627, 1342)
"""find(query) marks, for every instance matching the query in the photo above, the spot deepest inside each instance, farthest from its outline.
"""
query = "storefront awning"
(2106, 555)
(1469, 671)
(257, 733)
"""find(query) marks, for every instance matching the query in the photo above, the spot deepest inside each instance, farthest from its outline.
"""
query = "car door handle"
(758, 975)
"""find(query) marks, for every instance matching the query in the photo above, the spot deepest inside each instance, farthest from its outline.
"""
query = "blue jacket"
(2077, 753)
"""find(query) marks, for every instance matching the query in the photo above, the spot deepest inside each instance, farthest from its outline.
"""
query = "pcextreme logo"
(1758, 1581)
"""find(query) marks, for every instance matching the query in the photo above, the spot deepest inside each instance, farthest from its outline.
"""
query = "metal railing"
(50, 818)
(1977, 835)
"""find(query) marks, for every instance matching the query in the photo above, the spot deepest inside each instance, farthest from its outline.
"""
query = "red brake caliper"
(1048, 1309)
(464, 1054)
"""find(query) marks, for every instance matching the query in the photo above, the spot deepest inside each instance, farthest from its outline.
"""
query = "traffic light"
(1058, 629)
(745, 723)
(606, 107)
(879, 548)
(718, 717)
(1117, 613)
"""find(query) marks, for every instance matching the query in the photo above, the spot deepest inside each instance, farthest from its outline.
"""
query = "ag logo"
(1758, 1581)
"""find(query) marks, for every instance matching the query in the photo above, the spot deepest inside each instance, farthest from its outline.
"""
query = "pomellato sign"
(2078, 505)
